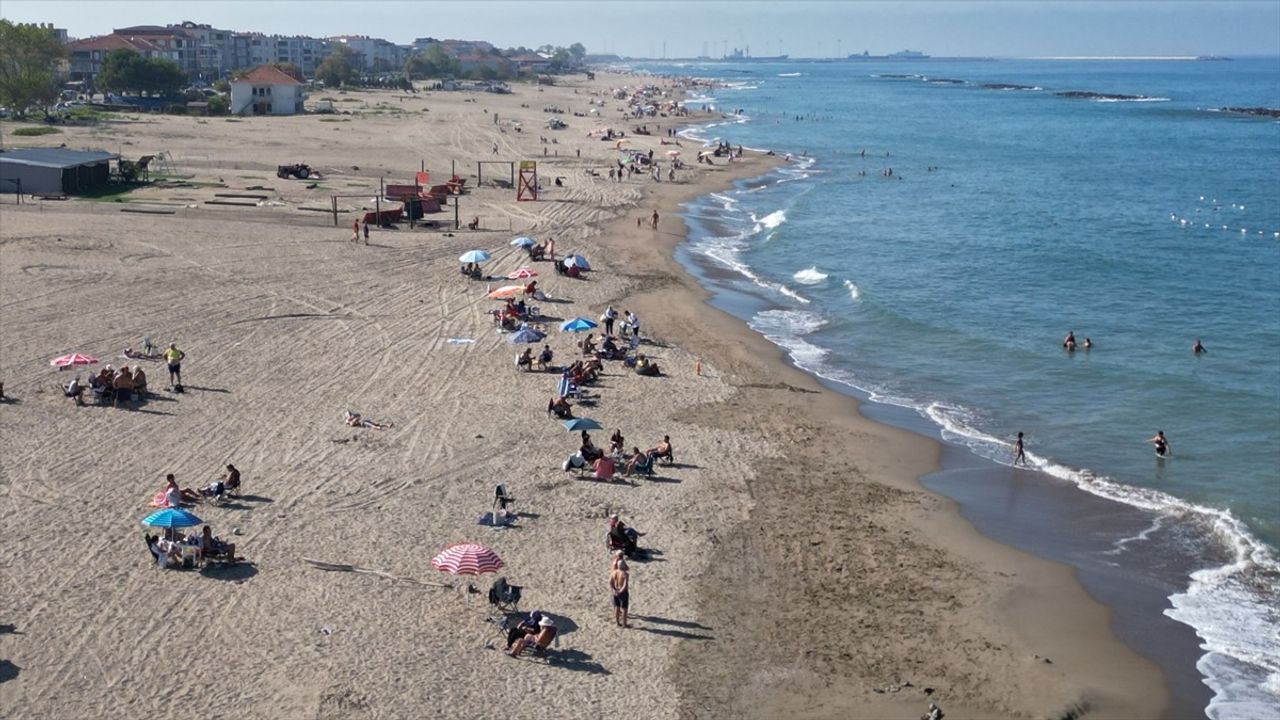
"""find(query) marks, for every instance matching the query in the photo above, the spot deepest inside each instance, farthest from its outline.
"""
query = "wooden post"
(456, 223)
(479, 173)
(334, 199)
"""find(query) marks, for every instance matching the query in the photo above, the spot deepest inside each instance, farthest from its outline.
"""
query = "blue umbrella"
(524, 241)
(172, 518)
(526, 335)
(578, 324)
(577, 260)
(474, 256)
(577, 424)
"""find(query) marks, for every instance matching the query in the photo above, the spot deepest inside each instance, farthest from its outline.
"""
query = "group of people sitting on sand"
(513, 314)
(109, 385)
(605, 464)
(172, 549)
(543, 251)
(526, 360)
(172, 495)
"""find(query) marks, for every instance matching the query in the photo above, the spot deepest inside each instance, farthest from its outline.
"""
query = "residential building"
(86, 55)
(174, 40)
(213, 49)
(266, 90)
(377, 55)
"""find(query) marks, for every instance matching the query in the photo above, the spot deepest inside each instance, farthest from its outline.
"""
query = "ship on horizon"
(900, 55)
(741, 55)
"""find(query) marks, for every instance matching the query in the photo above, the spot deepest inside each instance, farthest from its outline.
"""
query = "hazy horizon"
(669, 29)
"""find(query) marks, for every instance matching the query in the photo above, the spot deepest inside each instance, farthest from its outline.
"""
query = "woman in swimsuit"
(1161, 443)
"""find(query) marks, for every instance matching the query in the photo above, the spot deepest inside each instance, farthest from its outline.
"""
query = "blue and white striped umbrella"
(172, 518)
(524, 241)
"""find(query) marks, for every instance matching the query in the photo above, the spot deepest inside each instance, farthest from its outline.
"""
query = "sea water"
(1013, 215)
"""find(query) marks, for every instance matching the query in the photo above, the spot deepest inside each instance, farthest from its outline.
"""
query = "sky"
(800, 28)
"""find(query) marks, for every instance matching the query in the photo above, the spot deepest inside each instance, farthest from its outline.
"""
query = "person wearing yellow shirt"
(174, 356)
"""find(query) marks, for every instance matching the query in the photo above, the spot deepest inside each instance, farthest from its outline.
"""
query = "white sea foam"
(790, 74)
(773, 219)
(854, 293)
(809, 276)
(1136, 99)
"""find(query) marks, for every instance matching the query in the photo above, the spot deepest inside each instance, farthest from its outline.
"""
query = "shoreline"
(801, 566)
(722, 335)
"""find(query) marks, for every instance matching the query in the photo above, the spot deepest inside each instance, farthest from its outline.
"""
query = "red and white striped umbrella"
(467, 559)
(72, 359)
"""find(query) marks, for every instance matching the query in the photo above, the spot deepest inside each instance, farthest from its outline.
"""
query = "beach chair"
(568, 388)
(501, 498)
(645, 466)
(505, 596)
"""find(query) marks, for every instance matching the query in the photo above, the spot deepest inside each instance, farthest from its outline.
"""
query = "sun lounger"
(568, 388)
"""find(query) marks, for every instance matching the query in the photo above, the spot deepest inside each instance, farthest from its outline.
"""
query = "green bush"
(35, 131)
(176, 109)
(219, 105)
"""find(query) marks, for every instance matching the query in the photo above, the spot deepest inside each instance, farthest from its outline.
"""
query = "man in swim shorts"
(174, 357)
(620, 584)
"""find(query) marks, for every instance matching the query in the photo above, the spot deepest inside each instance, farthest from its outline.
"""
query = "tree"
(432, 62)
(289, 69)
(578, 51)
(339, 68)
(126, 71)
(29, 60)
(560, 60)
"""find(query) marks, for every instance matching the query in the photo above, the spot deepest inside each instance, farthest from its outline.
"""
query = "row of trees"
(30, 58)
(126, 71)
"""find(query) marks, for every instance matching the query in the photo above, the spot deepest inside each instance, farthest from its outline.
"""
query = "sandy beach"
(798, 568)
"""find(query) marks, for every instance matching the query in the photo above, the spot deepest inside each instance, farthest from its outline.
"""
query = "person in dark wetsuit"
(1198, 348)
(1161, 443)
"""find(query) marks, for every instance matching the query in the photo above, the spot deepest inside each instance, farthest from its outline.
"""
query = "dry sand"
(802, 572)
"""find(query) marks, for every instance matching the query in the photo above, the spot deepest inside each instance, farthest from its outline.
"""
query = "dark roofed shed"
(54, 170)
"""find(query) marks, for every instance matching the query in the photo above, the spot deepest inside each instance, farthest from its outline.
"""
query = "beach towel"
(460, 341)
(159, 500)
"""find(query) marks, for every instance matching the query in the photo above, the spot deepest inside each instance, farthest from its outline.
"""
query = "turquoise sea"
(1012, 216)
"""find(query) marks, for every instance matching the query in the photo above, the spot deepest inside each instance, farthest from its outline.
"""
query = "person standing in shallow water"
(1198, 349)
(1019, 452)
(1161, 443)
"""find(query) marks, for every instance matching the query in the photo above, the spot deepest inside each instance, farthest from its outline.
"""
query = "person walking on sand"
(620, 585)
(173, 356)
(365, 228)
(355, 231)
(655, 219)
(638, 221)
(1019, 452)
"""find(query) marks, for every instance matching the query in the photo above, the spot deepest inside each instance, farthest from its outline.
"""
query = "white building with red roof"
(266, 90)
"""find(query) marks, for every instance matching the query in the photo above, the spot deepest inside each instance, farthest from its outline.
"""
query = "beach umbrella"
(507, 291)
(577, 424)
(577, 260)
(522, 274)
(72, 359)
(524, 241)
(467, 559)
(673, 153)
(526, 335)
(171, 518)
(474, 256)
(578, 324)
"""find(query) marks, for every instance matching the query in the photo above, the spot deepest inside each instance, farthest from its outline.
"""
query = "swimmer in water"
(1019, 457)
(1161, 443)
(1088, 344)
(1069, 342)
(1198, 349)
